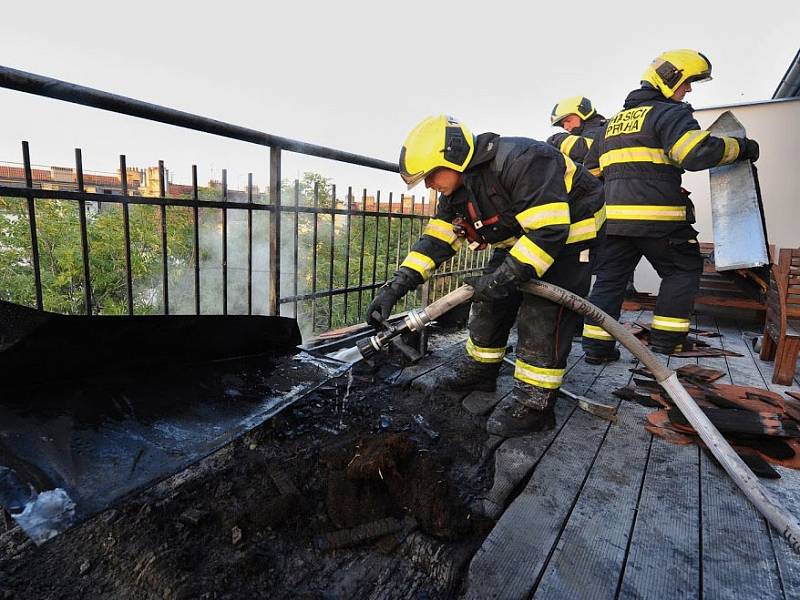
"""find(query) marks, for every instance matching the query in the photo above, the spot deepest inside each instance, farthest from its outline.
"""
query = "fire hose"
(741, 474)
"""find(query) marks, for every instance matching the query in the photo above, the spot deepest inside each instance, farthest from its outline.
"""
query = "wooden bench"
(728, 289)
(781, 341)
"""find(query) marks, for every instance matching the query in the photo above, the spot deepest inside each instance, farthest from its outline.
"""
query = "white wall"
(776, 127)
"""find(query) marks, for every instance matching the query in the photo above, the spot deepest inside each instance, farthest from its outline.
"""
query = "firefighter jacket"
(520, 194)
(641, 155)
(576, 143)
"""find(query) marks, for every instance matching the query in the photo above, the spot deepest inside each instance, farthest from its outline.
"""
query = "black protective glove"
(748, 149)
(500, 283)
(388, 295)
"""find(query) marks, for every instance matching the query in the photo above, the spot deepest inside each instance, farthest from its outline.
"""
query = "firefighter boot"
(468, 375)
(525, 410)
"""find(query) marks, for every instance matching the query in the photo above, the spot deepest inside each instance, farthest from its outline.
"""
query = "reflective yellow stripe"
(442, 230)
(731, 151)
(582, 230)
(568, 143)
(636, 154)
(587, 229)
(645, 212)
(569, 173)
(600, 217)
(596, 172)
(670, 324)
(420, 263)
(545, 378)
(597, 333)
(485, 355)
(554, 213)
(686, 144)
(529, 253)
(506, 243)
(589, 142)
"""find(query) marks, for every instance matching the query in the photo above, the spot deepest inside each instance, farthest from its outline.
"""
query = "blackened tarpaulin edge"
(37, 498)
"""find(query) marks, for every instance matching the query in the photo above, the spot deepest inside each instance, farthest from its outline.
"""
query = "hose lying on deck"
(741, 474)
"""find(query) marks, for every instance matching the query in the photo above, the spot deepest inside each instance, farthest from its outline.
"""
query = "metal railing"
(372, 233)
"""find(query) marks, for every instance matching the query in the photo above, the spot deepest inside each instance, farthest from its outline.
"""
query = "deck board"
(738, 556)
(610, 512)
(664, 554)
(512, 558)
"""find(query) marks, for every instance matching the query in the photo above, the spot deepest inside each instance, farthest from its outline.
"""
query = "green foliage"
(331, 261)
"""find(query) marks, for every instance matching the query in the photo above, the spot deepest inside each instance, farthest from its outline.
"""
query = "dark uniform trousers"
(545, 329)
(677, 260)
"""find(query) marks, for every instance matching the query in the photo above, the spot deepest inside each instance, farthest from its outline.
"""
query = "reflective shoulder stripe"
(597, 333)
(535, 217)
(539, 376)
(686, 144)
(645, 212)
(674, 324)
(569, 172)
(526, 251)
(635, 154)
(568, 144)
(589, 141)
(731, 152)
(420, 263)
(596, 172)
(485, 355)
(441, 230)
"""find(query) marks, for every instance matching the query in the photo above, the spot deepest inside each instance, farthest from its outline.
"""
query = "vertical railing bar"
(274, 229)
(314, 243)
(296, 249)
(250, 244)
(377, 231)
(401, 221)
(126, 230)
(196, 218)
(162, 192)
(333, 241)
(361, 253)
(224, 243)
(388, 237)
(347, 249)
(87, 282)
(410, 240)
(37, 272)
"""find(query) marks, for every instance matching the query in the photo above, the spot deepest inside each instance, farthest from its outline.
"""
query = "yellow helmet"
(574, 105)
(674, 67)
(439, 141)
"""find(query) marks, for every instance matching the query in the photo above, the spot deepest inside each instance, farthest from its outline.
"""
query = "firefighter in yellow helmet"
(543, 214)
(641, 155)
(581, 123)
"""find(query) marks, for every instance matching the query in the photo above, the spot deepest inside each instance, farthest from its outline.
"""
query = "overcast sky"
(356, 75)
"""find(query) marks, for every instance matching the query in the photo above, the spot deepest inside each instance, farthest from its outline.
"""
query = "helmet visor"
(412, 179)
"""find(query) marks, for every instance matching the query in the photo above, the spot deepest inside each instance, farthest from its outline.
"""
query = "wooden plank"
(513, 556)
(664, 553)
(663, 559)
(737, 549)
(592, 547)
(787, 491)
(428, 363)
(515, 458)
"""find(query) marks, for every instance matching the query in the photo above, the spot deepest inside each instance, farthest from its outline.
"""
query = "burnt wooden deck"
(610, 511)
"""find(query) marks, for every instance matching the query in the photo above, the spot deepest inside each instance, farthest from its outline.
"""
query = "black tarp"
(94, 408)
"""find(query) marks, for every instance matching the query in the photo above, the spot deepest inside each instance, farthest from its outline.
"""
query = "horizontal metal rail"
(49, 87)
